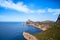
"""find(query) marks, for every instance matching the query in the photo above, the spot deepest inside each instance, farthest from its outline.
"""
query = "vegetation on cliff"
(52, 33)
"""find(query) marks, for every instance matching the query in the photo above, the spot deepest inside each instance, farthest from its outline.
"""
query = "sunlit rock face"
(28, 36)
(58, 20)
(37, 25)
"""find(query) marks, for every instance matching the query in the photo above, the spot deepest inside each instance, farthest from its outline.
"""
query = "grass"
(52, 33)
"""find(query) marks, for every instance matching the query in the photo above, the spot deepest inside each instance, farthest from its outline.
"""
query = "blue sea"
(14, 30)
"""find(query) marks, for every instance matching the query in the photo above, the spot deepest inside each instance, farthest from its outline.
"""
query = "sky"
(35, 10)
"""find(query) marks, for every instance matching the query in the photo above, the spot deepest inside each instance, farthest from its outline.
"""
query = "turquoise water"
(14, 30)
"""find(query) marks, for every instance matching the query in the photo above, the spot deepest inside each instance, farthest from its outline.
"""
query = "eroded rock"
(29, 36)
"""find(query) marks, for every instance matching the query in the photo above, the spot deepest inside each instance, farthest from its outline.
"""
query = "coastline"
(28, 36)
(42, 27)
(31, 37)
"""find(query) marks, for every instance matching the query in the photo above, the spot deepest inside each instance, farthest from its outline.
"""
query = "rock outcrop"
(28, 36)
(58, 20)
(37, 25)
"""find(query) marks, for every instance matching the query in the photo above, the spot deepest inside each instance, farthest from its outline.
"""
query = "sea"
(14, 30)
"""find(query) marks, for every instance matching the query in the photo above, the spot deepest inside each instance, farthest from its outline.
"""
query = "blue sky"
(35, 10)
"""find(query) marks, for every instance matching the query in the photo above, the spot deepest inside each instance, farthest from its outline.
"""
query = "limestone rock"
(29, 36)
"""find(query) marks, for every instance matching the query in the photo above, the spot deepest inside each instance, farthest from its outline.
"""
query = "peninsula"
(51, 32)
(38, 25)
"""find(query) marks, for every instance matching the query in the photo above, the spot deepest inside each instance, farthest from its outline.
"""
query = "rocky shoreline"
(31, 37)
(37, 25)
(28, 36)
(42, 27)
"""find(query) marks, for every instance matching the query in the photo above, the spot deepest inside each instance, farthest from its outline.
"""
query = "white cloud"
(40, 11)
(21, 7)
(18, 6)
(54, 11)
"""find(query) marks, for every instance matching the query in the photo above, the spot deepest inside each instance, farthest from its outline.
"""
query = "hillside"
(52, 33)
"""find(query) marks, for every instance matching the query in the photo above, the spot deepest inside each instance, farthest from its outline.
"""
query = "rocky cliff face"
(28, 36)
(58, 20)
(37, 25)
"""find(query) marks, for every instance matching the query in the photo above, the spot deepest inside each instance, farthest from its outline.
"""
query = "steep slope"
(58, 20)
(52, 33)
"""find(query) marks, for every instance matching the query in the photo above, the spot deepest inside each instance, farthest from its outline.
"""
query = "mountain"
(52, 33)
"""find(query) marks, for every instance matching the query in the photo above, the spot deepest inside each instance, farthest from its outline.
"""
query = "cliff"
(58, 20)
(52, 33)
(28, 36)
(39, 25)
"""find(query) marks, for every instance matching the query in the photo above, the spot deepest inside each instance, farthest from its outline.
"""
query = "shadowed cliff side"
(58, 20)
